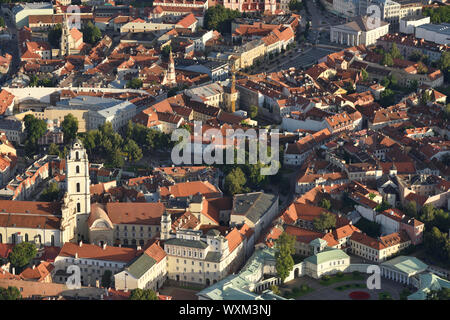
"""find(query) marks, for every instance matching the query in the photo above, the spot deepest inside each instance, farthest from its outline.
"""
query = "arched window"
(77, 169)
(77, 155)
(26, 237)
(53, 241)
(1, 238)
(78, 187)
(78, 207)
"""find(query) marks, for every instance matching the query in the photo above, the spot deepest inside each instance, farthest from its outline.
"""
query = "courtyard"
(313, 289)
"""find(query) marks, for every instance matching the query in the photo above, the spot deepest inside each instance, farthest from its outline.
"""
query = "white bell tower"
(78, 188)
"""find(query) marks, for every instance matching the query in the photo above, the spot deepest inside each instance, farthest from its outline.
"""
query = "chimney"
(33, 267)
(104, 246)
(139, 248)
(13, 271)
(81, 244)
(76, 255)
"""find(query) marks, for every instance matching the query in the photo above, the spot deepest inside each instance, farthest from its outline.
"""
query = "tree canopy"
(91, 33)
(235, 181)
(135, 83)
(34, 129)
(106, 279)
(10, 293)
(54, 36)
(219, 18)
(284, 249)
(143, 294)
(69, 127)
(22, 254)
(51, 193)
(325, 221)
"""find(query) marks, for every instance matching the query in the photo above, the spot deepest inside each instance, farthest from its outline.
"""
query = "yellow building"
(203, 259)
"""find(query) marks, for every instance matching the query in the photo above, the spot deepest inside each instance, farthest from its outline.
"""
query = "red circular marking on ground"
(359, 295)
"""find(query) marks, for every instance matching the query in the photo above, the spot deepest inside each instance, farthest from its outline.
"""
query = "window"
(78, 207)
(77, 169)
(78, 187)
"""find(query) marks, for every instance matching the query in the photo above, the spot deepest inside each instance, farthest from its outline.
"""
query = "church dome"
(98, 213)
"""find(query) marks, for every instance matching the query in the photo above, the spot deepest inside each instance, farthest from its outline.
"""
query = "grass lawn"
(351, 286)
(297, 292)
(384, 296)
(344, 277)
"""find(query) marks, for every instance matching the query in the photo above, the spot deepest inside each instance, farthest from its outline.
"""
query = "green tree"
(325, 221)
(116, 159)
(143, 294)
(441, 294)
(219, 18)
(235, 181)
(34, 129)
(51, 193)
(295, 5)
(11, 293)
(427, 213)
(166, 51)
(387, 98)
(325, 203)
(22, 254)
(364, 74)
(395, 53)
(444, 65)
(253, 112)
(411, 209)
(69, 127)
(54, 36)
(425, 97)
(53, 149)
(384, 205)
(106, 279)
(91, 33)
(284, 249)
(2, 22)
(387, 60)
(421, 68)
(133, 151)
(135, 83)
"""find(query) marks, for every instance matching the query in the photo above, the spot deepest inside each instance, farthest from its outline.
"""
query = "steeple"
(64, 49)
(171, 76)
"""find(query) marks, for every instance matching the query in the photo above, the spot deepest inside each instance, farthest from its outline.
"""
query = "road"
(11, 46)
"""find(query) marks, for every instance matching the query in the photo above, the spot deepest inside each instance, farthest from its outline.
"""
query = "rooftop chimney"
(81, 243)
(139, 248)
(104, 246)
(33, 267)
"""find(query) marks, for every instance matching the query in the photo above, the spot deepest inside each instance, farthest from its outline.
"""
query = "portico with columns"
(402, 269)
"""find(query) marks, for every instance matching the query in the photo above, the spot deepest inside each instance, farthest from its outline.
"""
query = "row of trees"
(437, 223)
(438, 15)
(36, 128)
(107, 144)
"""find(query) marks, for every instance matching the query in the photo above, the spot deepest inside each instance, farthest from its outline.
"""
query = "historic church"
(52, 223)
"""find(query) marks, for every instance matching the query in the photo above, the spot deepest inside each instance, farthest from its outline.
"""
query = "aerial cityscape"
(225, 150)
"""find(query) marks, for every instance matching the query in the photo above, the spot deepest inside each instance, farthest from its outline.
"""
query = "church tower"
(64, 49)
(166, 226)
(171, 77)
(78, 191)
